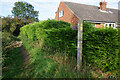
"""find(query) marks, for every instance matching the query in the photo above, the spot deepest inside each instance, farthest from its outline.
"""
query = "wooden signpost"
(79, 45)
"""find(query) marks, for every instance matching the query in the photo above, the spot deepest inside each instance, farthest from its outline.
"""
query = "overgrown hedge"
(54, 36)
(13, 25)
(44, 40)
(100, 47)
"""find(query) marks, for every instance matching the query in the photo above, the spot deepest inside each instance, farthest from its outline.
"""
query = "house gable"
(68, 15)
(72, 12)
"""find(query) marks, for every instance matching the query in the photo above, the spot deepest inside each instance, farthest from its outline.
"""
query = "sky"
(47, 8)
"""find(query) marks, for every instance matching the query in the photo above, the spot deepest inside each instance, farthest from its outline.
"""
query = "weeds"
(13, 64)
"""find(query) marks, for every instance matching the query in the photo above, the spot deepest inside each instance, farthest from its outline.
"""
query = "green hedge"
(44, 39)
(100, 47)
(56, 36)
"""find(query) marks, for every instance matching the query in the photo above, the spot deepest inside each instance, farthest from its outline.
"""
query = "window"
(110, 25)
(113, 25)
(61, 13)
(105, 25)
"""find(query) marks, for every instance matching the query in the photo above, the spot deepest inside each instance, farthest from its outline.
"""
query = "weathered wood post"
(79, 45)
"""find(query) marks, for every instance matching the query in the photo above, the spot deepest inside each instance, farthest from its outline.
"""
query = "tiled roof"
(92, 13)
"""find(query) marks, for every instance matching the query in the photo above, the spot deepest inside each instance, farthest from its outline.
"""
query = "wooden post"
(79, 53)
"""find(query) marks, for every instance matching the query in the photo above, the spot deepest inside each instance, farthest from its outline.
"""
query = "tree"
(24, 10)
(12, 25)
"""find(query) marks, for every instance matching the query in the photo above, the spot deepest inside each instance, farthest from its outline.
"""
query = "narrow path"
(23, 51)
(16, 65)
(25, 55)
(26, 60)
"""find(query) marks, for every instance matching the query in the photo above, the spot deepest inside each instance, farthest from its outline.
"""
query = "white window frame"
(61, 13)
(111, 25)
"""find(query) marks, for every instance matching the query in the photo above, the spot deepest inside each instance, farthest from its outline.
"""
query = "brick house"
(100, 16)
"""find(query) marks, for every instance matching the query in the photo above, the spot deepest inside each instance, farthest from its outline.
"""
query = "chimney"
(103, 5)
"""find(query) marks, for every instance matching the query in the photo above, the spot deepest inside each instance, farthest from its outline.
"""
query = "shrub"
(13, 25)
(7, 38)
(43, 42)
(100, 47)
(56, 36)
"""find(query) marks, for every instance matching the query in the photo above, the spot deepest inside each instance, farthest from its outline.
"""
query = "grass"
(47, 54)
(13, 64)
(44, 65)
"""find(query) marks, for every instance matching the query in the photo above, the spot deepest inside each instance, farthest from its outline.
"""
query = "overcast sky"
(47, 8)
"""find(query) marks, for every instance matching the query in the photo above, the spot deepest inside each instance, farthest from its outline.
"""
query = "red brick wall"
(100, 25)
(68, 15)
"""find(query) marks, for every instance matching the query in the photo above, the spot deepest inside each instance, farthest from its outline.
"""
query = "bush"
(100, 47)
(44, 41)
(7, 38)
(13, 25)
(55, 35)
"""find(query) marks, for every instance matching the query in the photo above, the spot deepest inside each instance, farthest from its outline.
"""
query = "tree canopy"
(24, 10)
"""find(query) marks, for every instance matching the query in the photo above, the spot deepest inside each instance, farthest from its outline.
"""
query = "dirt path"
(25, 55)
(23, 51)
(25, 59)
(21, 61)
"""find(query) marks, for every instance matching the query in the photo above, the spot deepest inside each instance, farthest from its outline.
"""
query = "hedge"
(56, 36)
(46, 41)
(100, 45)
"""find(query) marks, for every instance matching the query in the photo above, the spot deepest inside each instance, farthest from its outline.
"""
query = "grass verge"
(13, 64)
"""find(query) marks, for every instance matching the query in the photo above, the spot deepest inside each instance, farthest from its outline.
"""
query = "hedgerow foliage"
(10, 29)
(100, 47)
(13, 25)
(43, 41)
(55, 36)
